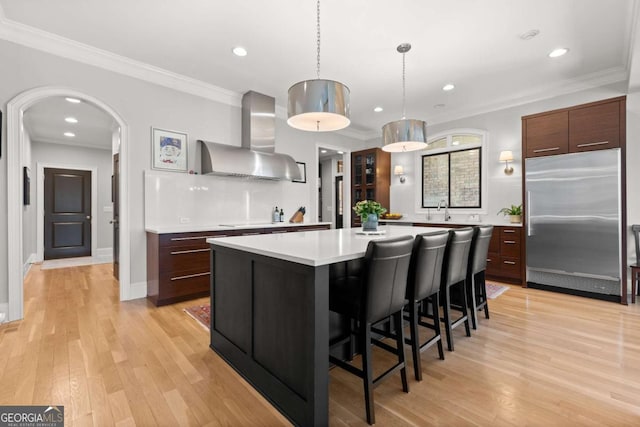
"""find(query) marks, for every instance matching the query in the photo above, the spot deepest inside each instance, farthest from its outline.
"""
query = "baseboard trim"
(137, 290)
(4, 312)
(27, 265)
(104, 255)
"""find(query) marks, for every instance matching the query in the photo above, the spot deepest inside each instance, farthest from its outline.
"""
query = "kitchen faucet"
(442, 202)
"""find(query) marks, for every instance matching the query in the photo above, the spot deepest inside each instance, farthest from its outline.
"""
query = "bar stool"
(454, 275)
(423, 288)
(476, 284)
(375, 296)
(635, 268)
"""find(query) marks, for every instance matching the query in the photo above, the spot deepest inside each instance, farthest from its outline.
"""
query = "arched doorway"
(15, 161)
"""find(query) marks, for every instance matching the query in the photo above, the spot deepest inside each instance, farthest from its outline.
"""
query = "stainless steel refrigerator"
(573, 207)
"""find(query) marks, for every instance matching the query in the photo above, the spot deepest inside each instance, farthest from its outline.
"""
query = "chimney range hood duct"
(257, 157)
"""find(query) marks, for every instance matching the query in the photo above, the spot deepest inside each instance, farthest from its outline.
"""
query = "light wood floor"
(543, 359)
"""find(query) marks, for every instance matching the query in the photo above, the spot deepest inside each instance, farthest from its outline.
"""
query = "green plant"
(513, 210)
(365, 207)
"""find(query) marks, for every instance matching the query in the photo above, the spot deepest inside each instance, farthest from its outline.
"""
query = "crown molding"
(51, 43)
(71, 143)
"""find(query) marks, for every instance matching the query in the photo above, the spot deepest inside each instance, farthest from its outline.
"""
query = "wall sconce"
(506, 157)
(398, 170)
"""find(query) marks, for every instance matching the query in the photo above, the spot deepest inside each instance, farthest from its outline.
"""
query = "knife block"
(297, 217)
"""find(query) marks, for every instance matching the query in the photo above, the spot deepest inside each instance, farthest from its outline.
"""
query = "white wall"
(29, 211)
(144, 105)
(504, 132)
(633, 171)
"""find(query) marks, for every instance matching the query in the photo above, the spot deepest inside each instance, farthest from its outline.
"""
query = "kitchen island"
(270, 311)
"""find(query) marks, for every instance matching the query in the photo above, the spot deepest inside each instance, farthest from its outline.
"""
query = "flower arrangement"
(366, 207)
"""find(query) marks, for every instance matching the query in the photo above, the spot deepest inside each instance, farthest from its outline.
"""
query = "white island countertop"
(316, 248)
(189, 228)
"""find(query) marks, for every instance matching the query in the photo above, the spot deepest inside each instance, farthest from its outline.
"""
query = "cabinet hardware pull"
(189, 252)
(542, 150)
(489, 259)
(509, 262)
(510, 242)
(190, 276)
(250, 234)
(509, 231)
(174, 239)
(591, 144)
(279, 231)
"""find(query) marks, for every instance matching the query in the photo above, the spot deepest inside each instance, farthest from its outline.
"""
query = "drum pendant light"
(405, 134)
(318, 105)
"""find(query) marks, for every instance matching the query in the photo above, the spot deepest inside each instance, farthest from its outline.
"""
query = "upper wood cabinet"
(370, 178)
(546, 134)
(594, 126)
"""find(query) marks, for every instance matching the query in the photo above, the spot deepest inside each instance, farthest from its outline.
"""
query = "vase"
(371, 223)
(515, 219)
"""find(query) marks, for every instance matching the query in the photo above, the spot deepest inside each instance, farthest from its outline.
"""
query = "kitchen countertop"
(315, 248)
(452, 222)
(190, 228)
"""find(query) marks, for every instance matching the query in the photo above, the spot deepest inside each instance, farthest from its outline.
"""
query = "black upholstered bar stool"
(454, 275)
(376, 295)
(476, 284)
(423, 290)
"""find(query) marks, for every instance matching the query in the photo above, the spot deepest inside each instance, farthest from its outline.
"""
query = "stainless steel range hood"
(256, 158)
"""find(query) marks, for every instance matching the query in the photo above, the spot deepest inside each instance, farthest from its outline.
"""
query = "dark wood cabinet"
(178, 264)
(370, 178)
(594, 126)
(547, 134)
(505, 257)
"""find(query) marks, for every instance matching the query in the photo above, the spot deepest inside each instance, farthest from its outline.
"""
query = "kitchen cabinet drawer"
(187, 241)
(594, 127)
(510, 243)
(184, 260)
(510, 267)
(546, 134)
(182, 287)
(493, 264)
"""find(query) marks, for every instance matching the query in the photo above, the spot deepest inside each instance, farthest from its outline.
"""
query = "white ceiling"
(45, 122)
(474, 44)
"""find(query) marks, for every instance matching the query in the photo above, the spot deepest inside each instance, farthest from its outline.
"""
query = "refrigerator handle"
(528, 215)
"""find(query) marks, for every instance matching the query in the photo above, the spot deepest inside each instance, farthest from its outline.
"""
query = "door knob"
(113, 221)
(89, 217)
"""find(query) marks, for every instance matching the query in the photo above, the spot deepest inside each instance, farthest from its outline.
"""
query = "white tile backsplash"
(212, 200)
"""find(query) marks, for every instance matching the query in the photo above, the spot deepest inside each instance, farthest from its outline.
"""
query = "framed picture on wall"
(303, 172)
(169, 150)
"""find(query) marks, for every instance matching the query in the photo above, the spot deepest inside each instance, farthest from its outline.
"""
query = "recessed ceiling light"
(323, 151)
(378, 109)
(439, 106)
(71, 120)
(340, 152)
(529, 34)
(73, 100)
(239, 51)
(448, 87)
(558, 52)
(69, 134)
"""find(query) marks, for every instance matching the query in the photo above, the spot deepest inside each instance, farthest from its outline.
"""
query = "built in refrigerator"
(573, 224)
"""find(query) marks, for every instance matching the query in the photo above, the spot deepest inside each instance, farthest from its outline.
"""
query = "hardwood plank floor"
(542, 359)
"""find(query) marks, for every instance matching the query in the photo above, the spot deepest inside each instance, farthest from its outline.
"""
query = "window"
(452, 171)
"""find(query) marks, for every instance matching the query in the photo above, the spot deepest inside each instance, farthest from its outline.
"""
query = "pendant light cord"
(318, 40)
(404, 90)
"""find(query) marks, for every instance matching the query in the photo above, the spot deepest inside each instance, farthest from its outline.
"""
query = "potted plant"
(514, 212)
(369, 211)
